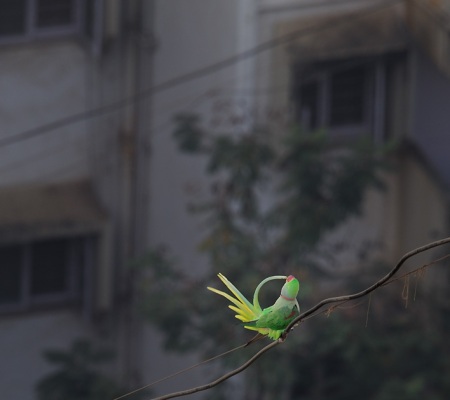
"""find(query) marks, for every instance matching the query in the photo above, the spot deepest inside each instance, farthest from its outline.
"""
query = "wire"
(183, 105)
(181, 372)
(190, 76)
(280, 8)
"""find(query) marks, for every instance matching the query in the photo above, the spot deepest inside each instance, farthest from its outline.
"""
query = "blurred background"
(147, 145)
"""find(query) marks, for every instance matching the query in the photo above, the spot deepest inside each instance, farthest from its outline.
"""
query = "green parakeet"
(271, 321)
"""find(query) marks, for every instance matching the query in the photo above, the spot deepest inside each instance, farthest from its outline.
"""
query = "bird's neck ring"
(287, 298)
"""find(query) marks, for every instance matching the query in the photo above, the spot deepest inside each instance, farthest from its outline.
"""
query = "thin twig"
(307, 314)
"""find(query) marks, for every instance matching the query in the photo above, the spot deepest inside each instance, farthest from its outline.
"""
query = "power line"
(280, 8)
(177, 81)
(181, 371)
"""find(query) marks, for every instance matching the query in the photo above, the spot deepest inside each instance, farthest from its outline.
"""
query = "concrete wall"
(22, 342)
(189, 35)
(430, 122)
(41, 83)
(422, 213)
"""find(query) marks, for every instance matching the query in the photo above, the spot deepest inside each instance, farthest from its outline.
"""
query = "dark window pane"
(49, 271)
(89, 10)
(55, 13)
(309, 95)
(10, 274)
(12, 17)
(348, 97)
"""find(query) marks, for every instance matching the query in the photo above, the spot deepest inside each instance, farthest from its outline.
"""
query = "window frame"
(78, 279)
(33, 32)
(374, 96)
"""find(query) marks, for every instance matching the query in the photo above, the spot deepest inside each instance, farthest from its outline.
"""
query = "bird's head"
(290, 289)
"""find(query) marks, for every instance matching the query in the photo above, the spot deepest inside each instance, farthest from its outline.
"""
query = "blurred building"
(73, 195)
(376, 68)
(352, 67)
(82, 196)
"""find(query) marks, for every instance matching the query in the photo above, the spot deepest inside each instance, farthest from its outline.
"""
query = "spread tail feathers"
(246, 311)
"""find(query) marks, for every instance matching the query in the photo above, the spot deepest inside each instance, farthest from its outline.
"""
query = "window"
(22, 20)
(12, 17)
(55, 13)
(337, 96)
(364, 95)
(44, 272)
(309, 95)
(348, 97)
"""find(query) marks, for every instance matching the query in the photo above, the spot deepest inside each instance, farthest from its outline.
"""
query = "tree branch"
(370, 289)
(303, 316)
(222, 378)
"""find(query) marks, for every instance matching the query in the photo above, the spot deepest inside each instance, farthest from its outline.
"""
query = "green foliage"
(188, 134)
(273, 199)
(322, 186)
(163, 300)
(77, 376)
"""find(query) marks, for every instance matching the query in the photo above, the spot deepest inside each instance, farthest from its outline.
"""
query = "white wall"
(189, 35)
(22, 342)
(430, 122)
(40, 84)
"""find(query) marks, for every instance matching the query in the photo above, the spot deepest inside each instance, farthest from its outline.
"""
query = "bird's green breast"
(277, 319)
